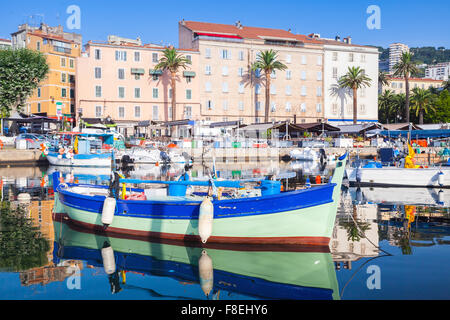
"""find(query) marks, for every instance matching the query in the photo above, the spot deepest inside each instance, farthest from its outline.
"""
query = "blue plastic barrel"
(269, 187)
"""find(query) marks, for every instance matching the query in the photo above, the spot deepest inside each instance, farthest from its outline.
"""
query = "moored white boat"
(407, 196)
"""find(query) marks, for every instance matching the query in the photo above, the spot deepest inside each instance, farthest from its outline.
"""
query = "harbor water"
(387, 243)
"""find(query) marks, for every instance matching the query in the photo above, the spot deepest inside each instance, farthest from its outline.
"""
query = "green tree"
(383, 79)
(267, 61)
(442, 107)
(387, 107)
(172, 61)
(354, 79)
(21, 71)
(422, 102)
(406, 68)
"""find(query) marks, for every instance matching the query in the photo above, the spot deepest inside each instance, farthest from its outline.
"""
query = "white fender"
(24, 197)
(441, 197)
(109, 263)
(109, 207)
(206, 272)
(205, 219)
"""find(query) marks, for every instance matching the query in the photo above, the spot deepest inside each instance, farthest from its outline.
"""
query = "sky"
(415, 23)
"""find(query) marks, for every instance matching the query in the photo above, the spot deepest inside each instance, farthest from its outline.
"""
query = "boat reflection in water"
(261, 272)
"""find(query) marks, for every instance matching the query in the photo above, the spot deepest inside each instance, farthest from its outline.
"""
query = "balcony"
(62, 49)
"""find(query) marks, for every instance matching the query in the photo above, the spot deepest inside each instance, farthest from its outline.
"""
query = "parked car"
(29, 141)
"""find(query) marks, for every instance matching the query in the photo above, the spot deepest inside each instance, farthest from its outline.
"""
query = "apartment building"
(117, 79)
(230, 91)
(55, 97)
(397, 85)
(395, 53)
(440, 71)
(5, 44)
(339, 56)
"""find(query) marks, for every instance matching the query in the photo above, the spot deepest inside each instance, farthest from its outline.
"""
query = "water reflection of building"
(50, 273)
(347, 243)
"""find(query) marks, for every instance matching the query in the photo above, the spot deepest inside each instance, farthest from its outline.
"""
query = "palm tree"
(172, 61)
(383, 79)
(354, 79)
(406, 68)
(387, 107)
(446, 85)
(421, 101)
(268, 62)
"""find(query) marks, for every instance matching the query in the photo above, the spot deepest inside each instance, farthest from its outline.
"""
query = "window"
(225, 87)
(400, 85)
(137, 77)
(303, 91)
(71, 63)
(121, 74)
(350, 57)
(319, 75)
(258, 106)
(334, 108)
(303, 75)
(38, 46)
(288, 107)
(137, 92)
(189, 58)
(137, 111)
(121, 55)
(362, 92)
(363, 58)
(63, 77)
(38, 107)
(319, 91)
(155, 113)
(121, 92)
(241, 55)
(98, 91)
(335, 56)
(187, 112)
(208, 70)
(63, 62)
(257, 88)
(288, 74)
(319, 107)
(288, 90)
(188, 94)
(72, 93)
(273, 89)
(208, 53)
(97, 54)
(225, 54)
(224, 70)
(241, 106)
(273, 75)
(208, 86)
(71, 78)
(257, 73)
(225, 105)
(39, 92)
(394, 85)
(137, 56)
(121, 112)
(288, 58)
(98, 73)
(240, 72)
(362, 108)
(303, 59)
(273, 107)
(98, 111)
(319, 60)
(303, 107)
(335, 73)
(155, 93)
(155, 57)
(241, 87)
(209, 105)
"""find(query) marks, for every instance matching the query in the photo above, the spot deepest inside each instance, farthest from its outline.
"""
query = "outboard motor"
(114, 185)
(164, 156)
(126, 160)
(323, 156)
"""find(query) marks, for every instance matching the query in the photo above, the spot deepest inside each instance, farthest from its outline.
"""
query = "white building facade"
(440, 71)
(395, 53)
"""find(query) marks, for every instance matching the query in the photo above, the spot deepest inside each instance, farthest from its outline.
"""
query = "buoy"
(441, 178)
(109, 207)
(109, 263)
(308, 183)
(59, 156)
(205, 219)
(318, 179)
(24, 197)
(206, 273)
(441, 197)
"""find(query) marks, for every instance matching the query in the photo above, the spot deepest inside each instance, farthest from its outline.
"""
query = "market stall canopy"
(400, 126)
(417, 134)
(357, 129)
(316, 127)
(98, 123)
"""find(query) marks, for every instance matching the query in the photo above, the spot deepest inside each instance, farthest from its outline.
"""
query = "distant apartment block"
(339, 56)
(397, 85)
(118, 79)
(440, 71)
(395, 53)
(55, 96)
(5, 44)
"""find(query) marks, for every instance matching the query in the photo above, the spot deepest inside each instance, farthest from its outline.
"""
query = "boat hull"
(102, 160)
(393, 176)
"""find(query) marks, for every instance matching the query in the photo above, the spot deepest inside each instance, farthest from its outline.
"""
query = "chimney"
(348, 40)
(238, 24)
(337, 38)
(183, 22)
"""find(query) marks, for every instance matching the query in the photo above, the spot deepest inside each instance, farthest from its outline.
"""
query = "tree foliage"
(21, 71)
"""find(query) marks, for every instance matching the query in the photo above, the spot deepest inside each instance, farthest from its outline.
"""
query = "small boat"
(139, 155)
(76, 149)
(262, 214)
(305, 154)
(248, 271)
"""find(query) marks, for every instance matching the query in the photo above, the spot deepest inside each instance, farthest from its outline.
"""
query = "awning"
(154, 72)
(189, 74)
(137, 71)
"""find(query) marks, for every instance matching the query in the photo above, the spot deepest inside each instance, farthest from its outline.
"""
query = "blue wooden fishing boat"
(262, 214)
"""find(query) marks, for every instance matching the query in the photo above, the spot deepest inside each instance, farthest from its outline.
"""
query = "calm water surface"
(387, 244)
